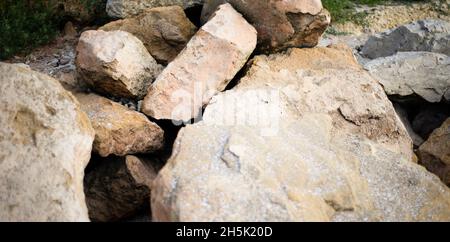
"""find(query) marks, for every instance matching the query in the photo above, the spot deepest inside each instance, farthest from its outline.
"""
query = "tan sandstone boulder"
(119, 130)
(164, 31)
(115, 63)
(435, 152)
(45, 144)
(306, 136)
(280, 24)
(208, 63)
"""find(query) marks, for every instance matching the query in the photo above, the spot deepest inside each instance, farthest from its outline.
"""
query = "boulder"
(434, 154)
(117, 187)
(280, 24)
(164, 31)
(119, 130)
(422, 35)
(305, 136)
(129, 8)
(115, 63)
(404, 74)
(209, 62)
(45, 144)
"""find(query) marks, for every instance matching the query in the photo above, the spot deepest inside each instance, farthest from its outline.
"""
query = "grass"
(344, 10)
(26, 24)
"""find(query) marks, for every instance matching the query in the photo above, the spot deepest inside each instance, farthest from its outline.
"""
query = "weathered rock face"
(403, 115)
(425, 74)
(115, 63)
(128, 8)
(422, 35)
(118, 187)
(305, 136)
(45, 144)
(434, 154)
(280, 24)
(164, 31)
(119, 130)
(222, 45)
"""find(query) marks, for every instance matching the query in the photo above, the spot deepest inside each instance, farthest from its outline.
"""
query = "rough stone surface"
(119, 130)
(325, 144)
(424, 74)
(280, 24)
(115, 63)
(188, 83)
(422, 35)
(45, 144)
(128, 8)
(434, 154)
(164, 31)
(403, 115)
(118, 187)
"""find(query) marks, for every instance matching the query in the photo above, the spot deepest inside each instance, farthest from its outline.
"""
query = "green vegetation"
(344, 10)
(26, 24)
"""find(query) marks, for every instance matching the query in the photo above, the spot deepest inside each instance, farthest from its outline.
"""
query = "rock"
(164, 31)
(118, 187)
(119, 130)
(45, 144)
(305, 136)
(422, 35)
(424, 74)
(79, 10)
(188, 83)
(115, 63)
(434, 154)
(69, 31)
(129, 8)
(280, 24)
(403, 115)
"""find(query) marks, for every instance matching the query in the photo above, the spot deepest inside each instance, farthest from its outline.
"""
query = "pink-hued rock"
(281, 24)
(208, 63)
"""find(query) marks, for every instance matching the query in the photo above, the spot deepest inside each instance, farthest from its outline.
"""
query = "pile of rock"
(299, 135)
(412, 63)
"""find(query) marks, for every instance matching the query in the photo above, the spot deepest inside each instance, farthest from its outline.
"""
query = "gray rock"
(129, 8)
(422, 35)
(424, 74)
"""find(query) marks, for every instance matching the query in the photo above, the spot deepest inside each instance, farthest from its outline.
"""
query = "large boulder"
(129, 8)
(209, 62)
(434, 154)
(305, 136)
(422, 35)
(45, 144)
(405, 74)
(118, 187)
(119, 130)
(115, 63)
(164, 31)
(280, 24)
